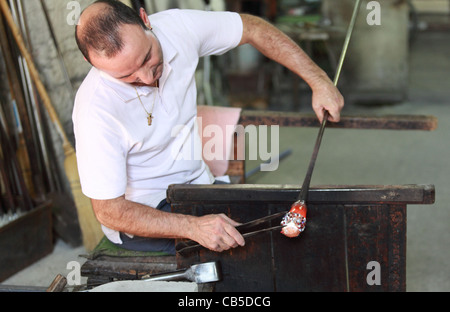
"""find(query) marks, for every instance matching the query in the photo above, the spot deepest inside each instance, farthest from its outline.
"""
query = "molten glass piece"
(294, 221)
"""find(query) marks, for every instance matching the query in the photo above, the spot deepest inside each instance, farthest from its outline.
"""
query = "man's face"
(140, 62)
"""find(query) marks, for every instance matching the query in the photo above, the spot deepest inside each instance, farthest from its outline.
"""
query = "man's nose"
(145, 75)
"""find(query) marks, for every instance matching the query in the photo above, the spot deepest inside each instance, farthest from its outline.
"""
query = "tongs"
(245, 229)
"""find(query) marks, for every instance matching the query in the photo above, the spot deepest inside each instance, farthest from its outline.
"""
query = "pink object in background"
(213, 118)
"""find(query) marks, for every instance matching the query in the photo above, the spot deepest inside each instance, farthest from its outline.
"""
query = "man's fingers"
(232, 237)
(236, 237)
(328, 99)
(334, 116)
(218, 233)
(230, 221)
(319, 114)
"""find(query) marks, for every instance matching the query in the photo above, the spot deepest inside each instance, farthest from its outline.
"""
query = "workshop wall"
(46, 59)
(60, 89)
(45, 54)
(63, 72)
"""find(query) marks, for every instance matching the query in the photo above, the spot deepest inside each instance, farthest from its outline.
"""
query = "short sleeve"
(101, 156)
(217, 32)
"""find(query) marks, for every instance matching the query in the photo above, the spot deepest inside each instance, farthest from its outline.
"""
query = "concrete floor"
(358, 157)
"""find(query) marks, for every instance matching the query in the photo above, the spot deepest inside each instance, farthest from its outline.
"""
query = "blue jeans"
(152, 244)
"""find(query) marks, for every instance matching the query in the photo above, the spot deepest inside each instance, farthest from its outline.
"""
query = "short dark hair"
(102, 33)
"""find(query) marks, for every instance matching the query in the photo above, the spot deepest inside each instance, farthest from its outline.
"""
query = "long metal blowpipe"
(294, 221)
(305, 188)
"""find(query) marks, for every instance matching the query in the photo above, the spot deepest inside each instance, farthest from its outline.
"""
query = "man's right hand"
(217, 233)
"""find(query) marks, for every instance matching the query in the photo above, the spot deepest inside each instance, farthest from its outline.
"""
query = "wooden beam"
(292, 119)
(350, 195)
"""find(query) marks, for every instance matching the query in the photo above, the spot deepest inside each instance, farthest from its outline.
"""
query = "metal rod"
(35, 110)
(347, 41)
(305, 187)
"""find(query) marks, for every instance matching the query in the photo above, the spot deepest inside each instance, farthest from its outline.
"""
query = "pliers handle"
(245, 229)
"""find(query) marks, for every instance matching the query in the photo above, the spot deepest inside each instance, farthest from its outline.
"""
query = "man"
(141, 87)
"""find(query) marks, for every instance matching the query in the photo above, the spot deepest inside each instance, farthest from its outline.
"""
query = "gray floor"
(365, 157)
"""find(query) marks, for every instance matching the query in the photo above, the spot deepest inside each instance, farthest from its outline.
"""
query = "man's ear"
(144, 17)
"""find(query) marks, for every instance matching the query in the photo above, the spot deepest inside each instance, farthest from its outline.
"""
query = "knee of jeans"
(164, 206)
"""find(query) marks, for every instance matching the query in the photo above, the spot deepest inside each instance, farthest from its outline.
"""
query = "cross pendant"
(150, 119)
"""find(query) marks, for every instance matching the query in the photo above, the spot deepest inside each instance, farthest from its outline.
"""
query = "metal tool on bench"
(245, 229)
(200, 273)
(203, 273)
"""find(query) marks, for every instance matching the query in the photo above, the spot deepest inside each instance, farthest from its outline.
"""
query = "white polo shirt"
(118, 153)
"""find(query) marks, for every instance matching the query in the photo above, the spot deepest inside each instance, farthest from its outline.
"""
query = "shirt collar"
(125, 91)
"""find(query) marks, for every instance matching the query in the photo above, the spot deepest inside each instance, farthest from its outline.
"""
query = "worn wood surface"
(339, 194)
(107, 269)
(347, 228)
(294, 119)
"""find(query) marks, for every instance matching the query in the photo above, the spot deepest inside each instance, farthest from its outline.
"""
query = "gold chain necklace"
(149, 115)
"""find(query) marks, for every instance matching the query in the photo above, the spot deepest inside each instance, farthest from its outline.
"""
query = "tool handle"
(306, 183)
(174, 276)
(244, 228)
(190, 246)
(185, 247)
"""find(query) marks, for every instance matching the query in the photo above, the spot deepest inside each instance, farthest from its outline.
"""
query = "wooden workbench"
(348, 228)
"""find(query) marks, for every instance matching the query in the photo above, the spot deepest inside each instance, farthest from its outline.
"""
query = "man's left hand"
(326, 97)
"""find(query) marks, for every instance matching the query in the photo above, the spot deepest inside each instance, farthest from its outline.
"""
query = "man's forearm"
(140, 220)
(216, 232)
(277, 46)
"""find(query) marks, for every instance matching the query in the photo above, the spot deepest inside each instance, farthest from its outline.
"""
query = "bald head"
(98, 30)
